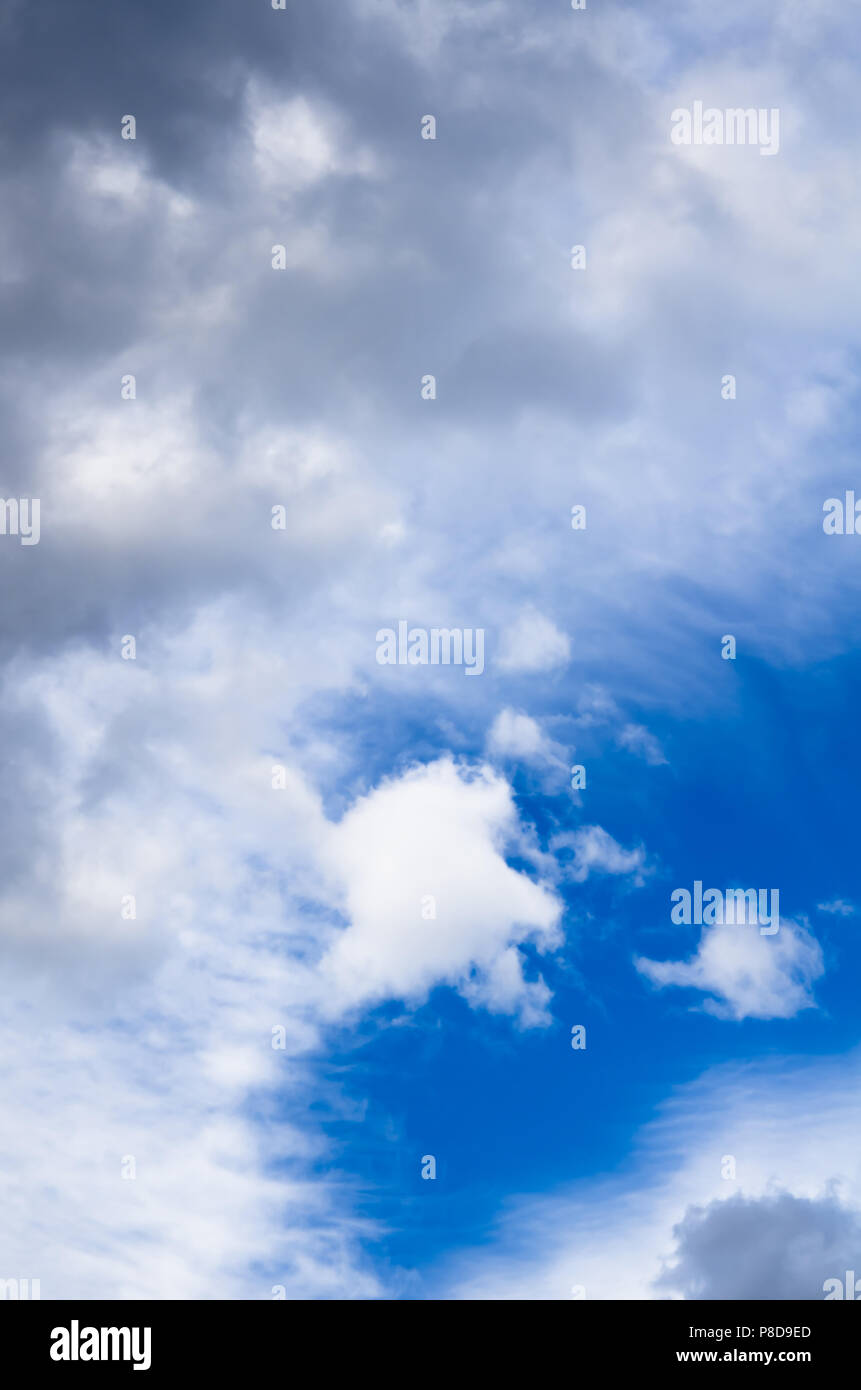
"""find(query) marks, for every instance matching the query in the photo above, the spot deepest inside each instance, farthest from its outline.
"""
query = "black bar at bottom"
(392, 1341)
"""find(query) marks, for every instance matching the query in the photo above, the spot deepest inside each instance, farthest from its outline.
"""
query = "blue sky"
(518, 1113)
(279, 920)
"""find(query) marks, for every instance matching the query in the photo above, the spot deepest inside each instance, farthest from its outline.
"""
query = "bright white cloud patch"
(430, 898)
(746, 974)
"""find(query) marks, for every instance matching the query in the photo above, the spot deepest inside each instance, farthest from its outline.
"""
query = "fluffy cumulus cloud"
(430, 898)
(778, 1246)
(746, 973)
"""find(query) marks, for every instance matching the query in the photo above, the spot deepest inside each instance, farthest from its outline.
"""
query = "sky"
(360, 326)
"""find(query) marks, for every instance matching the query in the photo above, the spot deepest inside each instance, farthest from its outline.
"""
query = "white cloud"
(297, 143)
(516, 735)
(151, 1037)
(117, 183)
(206, 1213)
(594, 850)
(158, 1029)
(750, 975)
(437, 832)
(532, 643)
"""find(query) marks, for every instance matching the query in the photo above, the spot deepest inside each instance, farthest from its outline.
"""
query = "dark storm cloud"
(447, 257)
(436, 218)
(427, 282)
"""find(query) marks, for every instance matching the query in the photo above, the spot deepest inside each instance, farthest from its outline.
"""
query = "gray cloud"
(774, 1247)
(451, 257)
